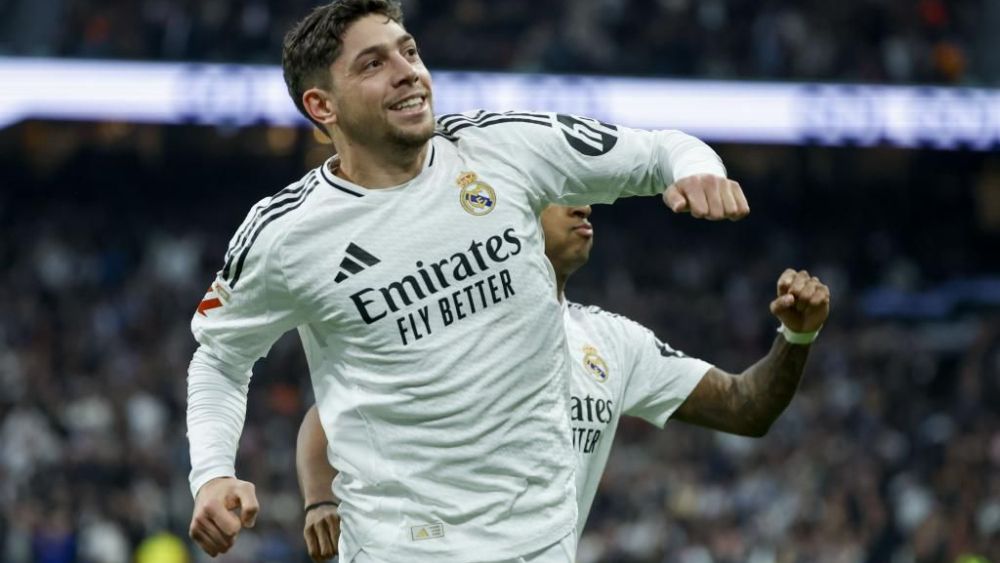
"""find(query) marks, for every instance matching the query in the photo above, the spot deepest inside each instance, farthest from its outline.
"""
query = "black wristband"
(321, 503)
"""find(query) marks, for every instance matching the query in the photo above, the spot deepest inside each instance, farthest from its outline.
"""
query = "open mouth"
(410, 104)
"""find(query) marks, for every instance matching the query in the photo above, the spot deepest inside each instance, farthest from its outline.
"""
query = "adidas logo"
(427, 531)
(352, 266)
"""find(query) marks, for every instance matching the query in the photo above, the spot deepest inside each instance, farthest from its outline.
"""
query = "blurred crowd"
(890, 453)
(897, 41)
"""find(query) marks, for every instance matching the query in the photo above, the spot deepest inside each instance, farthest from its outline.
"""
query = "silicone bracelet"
(321, 503)
(793, 337)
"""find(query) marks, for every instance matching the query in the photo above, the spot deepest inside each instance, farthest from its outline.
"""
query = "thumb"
(244, 499)
(675, 200)
(782, 304)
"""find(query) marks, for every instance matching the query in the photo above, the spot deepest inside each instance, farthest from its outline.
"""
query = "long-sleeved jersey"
(433, 336)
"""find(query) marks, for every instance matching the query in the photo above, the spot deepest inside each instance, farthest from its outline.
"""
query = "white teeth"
(410, 103)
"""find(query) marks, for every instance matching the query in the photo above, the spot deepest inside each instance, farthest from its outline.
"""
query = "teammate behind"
(412, 266)
(619, 367)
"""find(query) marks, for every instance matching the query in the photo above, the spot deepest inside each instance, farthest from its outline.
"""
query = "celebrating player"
(619, 367)
(412, 265)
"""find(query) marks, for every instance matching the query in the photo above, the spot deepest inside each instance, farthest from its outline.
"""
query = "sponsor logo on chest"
(435, 294)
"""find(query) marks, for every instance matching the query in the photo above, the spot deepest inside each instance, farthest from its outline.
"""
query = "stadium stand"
(890, 452)
(888, 41)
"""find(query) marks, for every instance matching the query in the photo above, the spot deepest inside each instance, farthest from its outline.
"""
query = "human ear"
(320, 105)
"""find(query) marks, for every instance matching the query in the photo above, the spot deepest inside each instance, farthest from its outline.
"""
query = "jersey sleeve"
(660, 378)
(247, 308)
(575, 160)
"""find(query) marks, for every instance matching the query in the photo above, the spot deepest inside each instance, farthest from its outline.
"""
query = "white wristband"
(793, 337)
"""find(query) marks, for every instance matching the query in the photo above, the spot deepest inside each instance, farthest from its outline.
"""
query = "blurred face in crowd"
(381, 90)
(569, 236)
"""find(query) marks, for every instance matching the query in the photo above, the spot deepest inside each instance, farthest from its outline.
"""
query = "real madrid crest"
(595, 364)
(476, 196)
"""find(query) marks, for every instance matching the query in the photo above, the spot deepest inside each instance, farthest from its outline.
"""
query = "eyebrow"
(377, 48)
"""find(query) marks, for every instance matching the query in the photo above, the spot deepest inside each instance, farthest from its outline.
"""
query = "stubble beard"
(410, 139)
(394, 138)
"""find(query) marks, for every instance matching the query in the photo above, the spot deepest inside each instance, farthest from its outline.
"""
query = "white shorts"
(563, 551)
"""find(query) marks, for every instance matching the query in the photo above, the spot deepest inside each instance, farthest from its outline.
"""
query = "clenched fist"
(706, 196)
(223, 507)
(802, 303)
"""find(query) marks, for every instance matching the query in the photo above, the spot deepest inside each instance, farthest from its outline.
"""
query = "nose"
(580, 211)
(406, 72)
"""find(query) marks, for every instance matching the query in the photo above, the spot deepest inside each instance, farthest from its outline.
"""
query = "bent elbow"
(758, 429)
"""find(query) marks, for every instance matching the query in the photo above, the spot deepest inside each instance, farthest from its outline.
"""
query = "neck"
(561, 280)
(380, 169)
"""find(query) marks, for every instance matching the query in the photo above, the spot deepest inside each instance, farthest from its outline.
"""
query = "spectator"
(899, 41)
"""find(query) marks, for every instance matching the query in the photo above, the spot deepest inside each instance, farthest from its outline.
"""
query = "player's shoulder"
(592, 317)
(615, 337)
(284, 206)
(266, 222)
(620, 331)
(482, 123)
(533, 131)
(593, 312)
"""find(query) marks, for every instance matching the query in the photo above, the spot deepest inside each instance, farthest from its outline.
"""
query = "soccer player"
(412, 266)
(619, 367)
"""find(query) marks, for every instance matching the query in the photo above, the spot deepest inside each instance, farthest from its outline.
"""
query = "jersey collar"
(326, 171)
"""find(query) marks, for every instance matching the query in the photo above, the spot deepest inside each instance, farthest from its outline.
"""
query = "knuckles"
(200, 522)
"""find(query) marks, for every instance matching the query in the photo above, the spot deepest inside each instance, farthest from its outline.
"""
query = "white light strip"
(741, 112)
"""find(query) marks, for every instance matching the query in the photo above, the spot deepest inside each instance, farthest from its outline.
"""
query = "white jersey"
(617, 367)
(431, 328)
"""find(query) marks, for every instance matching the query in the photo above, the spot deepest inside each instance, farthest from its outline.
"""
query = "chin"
(414, 136)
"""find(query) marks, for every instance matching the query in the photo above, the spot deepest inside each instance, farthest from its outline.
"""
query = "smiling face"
(569, 236)
(380, 94)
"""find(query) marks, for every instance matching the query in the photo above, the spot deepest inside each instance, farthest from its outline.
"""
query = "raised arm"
(574, 160)
(748, 404)
(322, 525)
